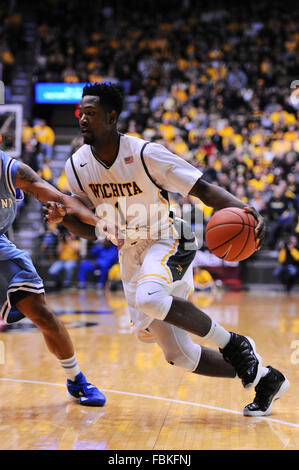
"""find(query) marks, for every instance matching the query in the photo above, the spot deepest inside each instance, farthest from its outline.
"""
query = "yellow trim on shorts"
(165, 267)
(162, 199)
(158, 275)
(190, 295)
(175, 241)
(167, 256)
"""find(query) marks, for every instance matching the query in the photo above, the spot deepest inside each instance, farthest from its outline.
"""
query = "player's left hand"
(54, 212)
(260, 229)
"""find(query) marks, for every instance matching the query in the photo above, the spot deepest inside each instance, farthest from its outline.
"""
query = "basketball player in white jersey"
(127, 180)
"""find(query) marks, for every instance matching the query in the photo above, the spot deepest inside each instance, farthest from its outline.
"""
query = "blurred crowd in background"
(11, 39)
(216, 86)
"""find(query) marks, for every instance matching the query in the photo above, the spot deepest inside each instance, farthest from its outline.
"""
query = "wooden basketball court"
(150, 404)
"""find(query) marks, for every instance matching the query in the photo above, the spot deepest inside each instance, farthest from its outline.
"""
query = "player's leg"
(22, 294)
(159, 295)
(212, 364)
(179, 350)
(231, 359)
(153, 299)
(59, 343)
(54, 332)
(169, 261)
(164, 282)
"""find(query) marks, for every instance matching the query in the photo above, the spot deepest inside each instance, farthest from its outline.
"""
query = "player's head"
(99, 109)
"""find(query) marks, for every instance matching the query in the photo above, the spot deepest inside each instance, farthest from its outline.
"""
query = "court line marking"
(153, 397)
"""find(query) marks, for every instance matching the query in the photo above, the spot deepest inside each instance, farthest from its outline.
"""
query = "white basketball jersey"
(133, 192)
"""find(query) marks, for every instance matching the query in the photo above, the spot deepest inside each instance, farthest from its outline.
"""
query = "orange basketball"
(230, 234)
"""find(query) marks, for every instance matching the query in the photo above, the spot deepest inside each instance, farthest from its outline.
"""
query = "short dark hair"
(111, 97)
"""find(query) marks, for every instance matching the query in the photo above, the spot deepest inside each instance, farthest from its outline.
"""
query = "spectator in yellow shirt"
(114, 278)
(27, 131)
(45, 172)
(203, 280)
(62, 183)
(167, 130)
(180, 147)
(68, 256)
(258, 180)
(45, 136)
(291, 133)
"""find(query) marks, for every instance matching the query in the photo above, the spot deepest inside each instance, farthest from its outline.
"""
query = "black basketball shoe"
(240, 353)
(271, 387)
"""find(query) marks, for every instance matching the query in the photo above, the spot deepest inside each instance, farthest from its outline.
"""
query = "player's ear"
(112, 117)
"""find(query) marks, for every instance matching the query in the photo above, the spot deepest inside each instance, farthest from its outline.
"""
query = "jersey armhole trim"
(164, 192)
(146, 169)
(76, 174)
(8, 177)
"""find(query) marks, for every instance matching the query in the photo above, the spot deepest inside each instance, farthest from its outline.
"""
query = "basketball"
(230, 234)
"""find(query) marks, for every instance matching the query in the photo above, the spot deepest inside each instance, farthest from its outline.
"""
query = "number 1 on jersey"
(121, 214)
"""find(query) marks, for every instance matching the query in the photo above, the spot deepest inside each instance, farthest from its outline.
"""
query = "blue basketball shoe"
(86, 393)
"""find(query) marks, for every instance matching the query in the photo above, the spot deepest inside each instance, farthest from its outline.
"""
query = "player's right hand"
(54, 212)
(260, 229)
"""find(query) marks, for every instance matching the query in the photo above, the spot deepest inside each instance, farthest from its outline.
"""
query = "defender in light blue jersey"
(21, 288)
(18, 276)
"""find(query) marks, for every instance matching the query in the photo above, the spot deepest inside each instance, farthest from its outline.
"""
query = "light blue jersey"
(8, 205)
(16, 269)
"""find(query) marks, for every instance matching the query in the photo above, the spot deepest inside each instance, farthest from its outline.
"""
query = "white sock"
(70, 367)
(265, 371)
(218, 335)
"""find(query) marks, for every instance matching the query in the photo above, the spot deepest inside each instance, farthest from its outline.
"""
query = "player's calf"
(55, 333)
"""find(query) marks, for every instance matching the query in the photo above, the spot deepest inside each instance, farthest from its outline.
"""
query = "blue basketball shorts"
(17, 274)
